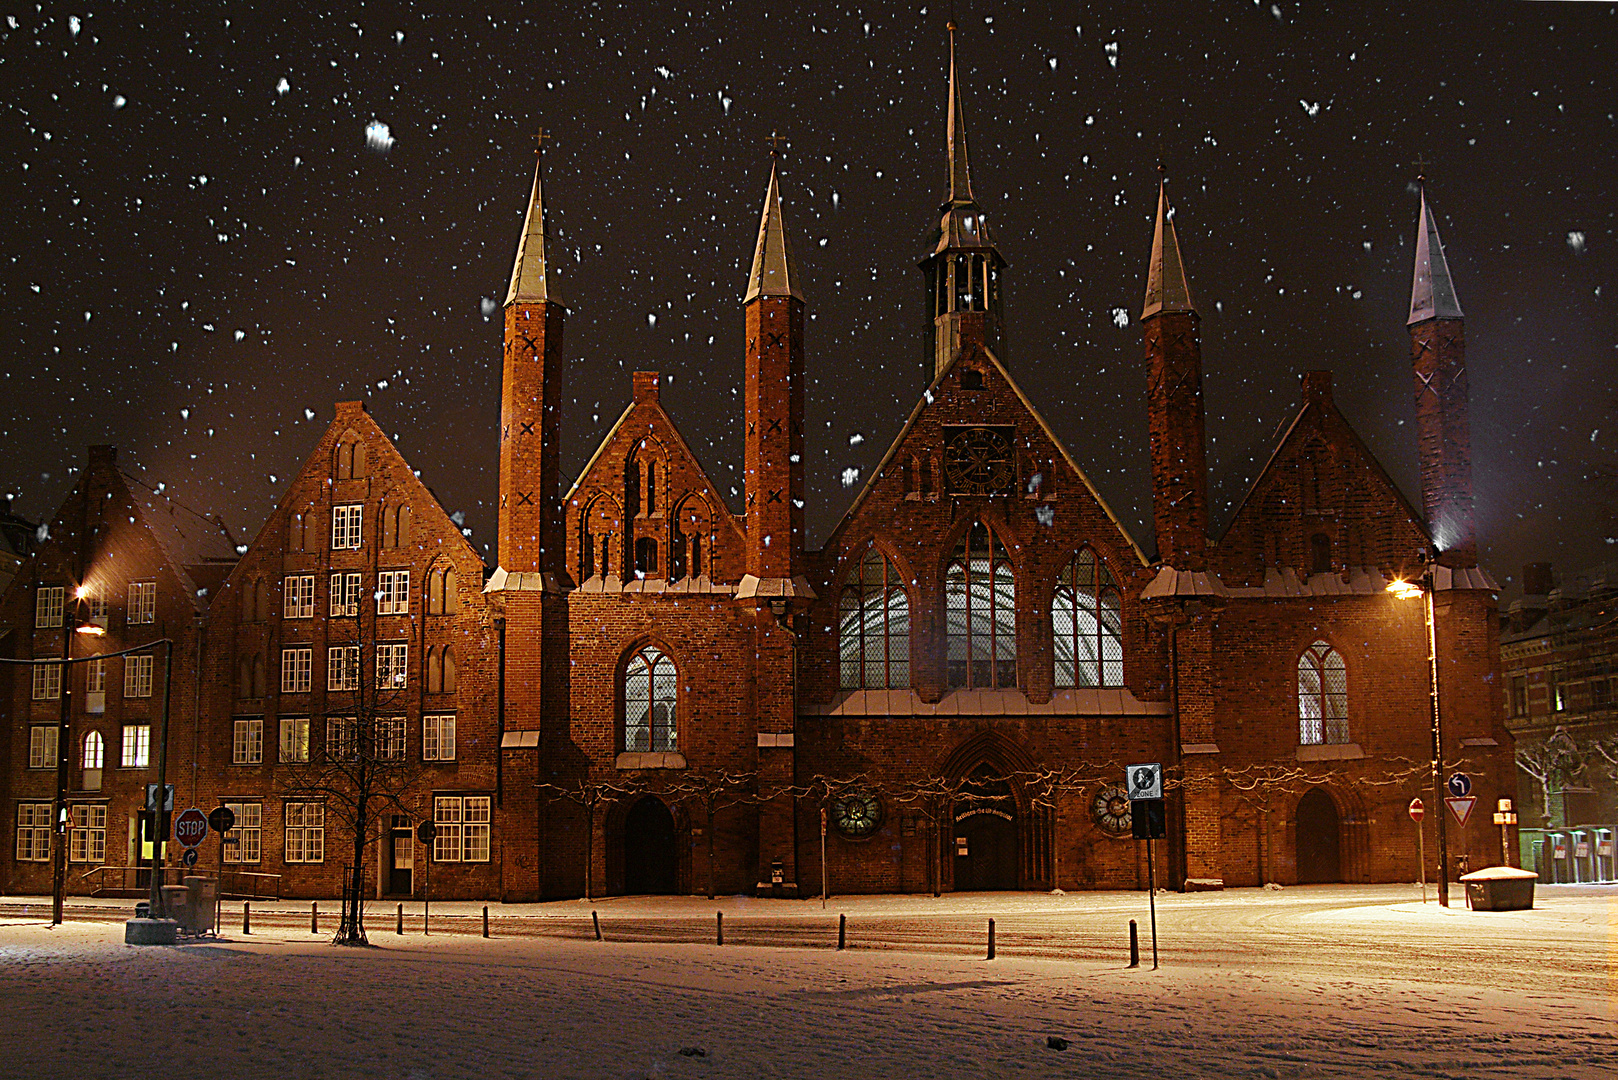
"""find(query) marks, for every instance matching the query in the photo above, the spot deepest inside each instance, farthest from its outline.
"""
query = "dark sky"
(204, 249)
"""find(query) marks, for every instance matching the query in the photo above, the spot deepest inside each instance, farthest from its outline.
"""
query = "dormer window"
(971, 379)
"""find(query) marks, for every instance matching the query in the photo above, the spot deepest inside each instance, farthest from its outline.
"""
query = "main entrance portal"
(985, 835)
(1319, 832)
(651, 862)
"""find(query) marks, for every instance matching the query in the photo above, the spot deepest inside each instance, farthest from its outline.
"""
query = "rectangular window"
(98, 611)
(244, 842)
(305, 832)
(438, 738)
(142, 602)
(390, 738)
(1600, 693)
(247, 744)
(42, 746)
(95, 679)
(298, 596)
(343, 667)
(87, 833)
(297, 669)
(345, 594)
(294, 738)
(463, 828)
(1558, 692)
(393, 592)
(342, 738)
(47, 682)
(33, 832)
(138, 676)
(137, 746)
(1519, 695)
(48, 606)
(345, 527)
(390, 666)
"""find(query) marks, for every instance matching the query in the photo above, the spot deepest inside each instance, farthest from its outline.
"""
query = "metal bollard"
(247, 919)
(1134, 945)
(485, 920)
(720, 928)
(314, 917)
(842, 932)
(991, 941)
(398, 927)
(594, 918)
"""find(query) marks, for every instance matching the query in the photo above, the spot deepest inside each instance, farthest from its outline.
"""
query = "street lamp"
(1409, 590)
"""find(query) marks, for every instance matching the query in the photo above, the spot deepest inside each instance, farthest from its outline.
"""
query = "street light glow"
(1405, 590)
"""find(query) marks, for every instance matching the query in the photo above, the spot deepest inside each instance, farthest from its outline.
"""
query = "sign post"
(825, 886)
(1147, 822)
(1418, 809)
(1505, 817)
(426, 832)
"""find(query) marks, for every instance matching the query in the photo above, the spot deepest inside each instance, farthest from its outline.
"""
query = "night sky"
(221, 223)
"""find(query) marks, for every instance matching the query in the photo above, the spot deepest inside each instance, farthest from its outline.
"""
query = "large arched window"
(873, 631)
(650, 689)
(980, 598)
(1322, 696)
(94, 757)
(1087, 624)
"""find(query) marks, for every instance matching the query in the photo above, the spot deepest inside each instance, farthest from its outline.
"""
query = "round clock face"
(978, 461)
(856, 814)
(1111, 809)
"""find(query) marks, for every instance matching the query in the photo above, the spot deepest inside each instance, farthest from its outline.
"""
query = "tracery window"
(1322, 696)
(980, 599)
(873, 631)
(650, 691)
(1087, 624)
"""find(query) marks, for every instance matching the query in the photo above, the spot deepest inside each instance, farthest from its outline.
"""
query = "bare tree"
(360, 772)
(589, 796)
(713, 792)
(1550, 762)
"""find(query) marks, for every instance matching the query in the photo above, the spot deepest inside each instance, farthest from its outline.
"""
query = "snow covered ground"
(1306, 982)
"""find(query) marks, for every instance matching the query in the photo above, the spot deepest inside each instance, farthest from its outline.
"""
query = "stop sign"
(191, 827)
(1417, 809)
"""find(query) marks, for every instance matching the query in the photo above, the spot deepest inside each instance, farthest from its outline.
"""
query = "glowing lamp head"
(81, 592)
(91, 629)
(1405, 590)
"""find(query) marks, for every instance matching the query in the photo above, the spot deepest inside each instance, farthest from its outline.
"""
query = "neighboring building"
(123, 558)
(1559, 651)
(17, 538)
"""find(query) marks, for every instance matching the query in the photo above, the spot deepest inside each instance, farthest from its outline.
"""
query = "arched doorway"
(651, 862)
(985, 834)
(1319, 839)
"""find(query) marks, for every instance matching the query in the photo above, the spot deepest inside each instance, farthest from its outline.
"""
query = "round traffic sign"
(222, 819)
(1417, 809)
(1460, 785)
(191, 827)
(190, 857)
(427, 832)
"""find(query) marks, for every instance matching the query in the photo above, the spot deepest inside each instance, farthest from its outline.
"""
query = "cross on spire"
(775, 140)
(540, 136)
(1421, 169)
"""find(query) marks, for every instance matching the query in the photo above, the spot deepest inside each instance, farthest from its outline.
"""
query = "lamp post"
(1407, 590)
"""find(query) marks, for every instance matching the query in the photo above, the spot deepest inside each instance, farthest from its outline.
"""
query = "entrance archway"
(1319, 831)
(985, 834)
(651, 861)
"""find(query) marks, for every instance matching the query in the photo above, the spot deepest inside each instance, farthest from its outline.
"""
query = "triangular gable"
(927, 398)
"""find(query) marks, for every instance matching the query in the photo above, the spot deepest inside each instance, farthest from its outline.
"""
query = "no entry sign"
(1418, 809)
(191, 827)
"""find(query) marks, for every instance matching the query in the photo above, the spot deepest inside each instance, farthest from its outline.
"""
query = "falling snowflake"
(851, 476)
(488, 307)
(378, 137)
(855, 439)
(1120, 317)
(283, 86)
(1575, 240)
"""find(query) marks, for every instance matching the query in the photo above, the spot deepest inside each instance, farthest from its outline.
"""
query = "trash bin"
(202, 892)
(143, 910)
(175, 906)
(1500, 888)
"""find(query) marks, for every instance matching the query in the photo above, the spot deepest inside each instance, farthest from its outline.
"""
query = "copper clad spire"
(773, 271)
(1432, 293)
(960, 177)
(530, 273)
(1166, 287)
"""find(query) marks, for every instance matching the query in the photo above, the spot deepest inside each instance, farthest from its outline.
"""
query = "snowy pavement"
(1306, 982)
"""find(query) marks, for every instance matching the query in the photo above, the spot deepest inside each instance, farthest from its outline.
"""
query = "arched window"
(261, 601)
(442, 598)
(1322, 696)
(650, 685)
(258, 675)
(94, 755)
(1320, 554)
(448, 663)
(600, 545)
(980, 600)
(873, 632)
(1087, 624)
(646, 557)
(435, 672)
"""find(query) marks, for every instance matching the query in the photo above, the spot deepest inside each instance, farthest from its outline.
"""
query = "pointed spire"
(1166, 288)
(1432, 293)
(960, 177)
(773, 271)
(530, 274)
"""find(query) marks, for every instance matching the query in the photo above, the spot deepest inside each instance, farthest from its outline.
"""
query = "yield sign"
(1462, 808)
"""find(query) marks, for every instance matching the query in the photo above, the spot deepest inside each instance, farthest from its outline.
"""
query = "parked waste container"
(175, 906)
(201, 894)
(1500, 888)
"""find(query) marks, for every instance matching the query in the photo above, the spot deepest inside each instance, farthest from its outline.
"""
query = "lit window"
(393, 592)
(305, 836)
(390, 666)
(650, 692)
(244, 842)
(42, 746)
(47, 682)
(298, 596)
(48, 606)
(463, 828)
(87, 833)
(980, 594)
(294, 739)
(142, 602)
(438, 738)
(95, 679)
(137, 676)
(33, 832)
(1087, 624)
(137, 746)
(91, 761)
(247, 745)
(1519, 695)
(297, 669)
(873, 632)
(345, 594)
(343, 667)
(1322, 696)
(345, 527)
